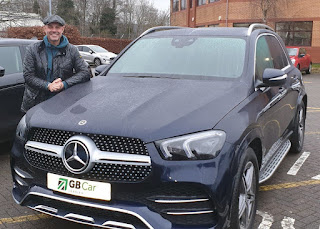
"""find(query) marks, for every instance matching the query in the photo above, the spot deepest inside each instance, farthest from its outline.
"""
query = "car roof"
(16, 41)
(207, 31)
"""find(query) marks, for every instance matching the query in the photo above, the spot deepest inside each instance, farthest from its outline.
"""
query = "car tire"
(244, 204)
(297, 138)
(97, 62)
(308, 71)
(298, 66)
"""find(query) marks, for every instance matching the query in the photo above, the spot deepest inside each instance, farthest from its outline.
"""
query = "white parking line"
(287, 223)
(316, 178)
(297, 165)
(267, 220)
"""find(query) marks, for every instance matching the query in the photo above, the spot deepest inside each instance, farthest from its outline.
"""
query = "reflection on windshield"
(184, 56)
(292, 51)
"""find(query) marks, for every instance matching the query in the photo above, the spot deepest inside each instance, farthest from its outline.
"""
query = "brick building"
(296, 21)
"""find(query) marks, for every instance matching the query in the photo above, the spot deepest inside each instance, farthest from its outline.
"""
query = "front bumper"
(174, 196)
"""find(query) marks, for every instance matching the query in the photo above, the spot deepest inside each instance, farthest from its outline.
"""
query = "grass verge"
(316, 68)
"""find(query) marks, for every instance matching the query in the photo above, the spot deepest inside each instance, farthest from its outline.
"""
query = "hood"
(145, 108)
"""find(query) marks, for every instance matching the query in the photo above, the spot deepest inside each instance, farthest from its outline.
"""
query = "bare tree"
(266, 7)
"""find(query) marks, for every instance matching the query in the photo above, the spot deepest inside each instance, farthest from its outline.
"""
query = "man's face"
(54, 32)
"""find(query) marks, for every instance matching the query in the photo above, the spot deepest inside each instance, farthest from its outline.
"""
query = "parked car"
(94, 54)
(177, 132)
(300, 58)
(11, 85)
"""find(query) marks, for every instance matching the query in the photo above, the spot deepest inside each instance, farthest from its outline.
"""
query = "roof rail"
(258, 26)
(154, 29)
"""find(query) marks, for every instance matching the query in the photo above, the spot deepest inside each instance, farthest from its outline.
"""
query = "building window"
(183, 4)
(175, 6)
(213, 1)
(213, 25)
(295, 33)
(191, 3)
(201, 2)
(242, 24)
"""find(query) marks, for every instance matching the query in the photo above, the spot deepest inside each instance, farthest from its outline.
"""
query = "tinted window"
(263, 57)
(295, 33)
(10, 59)
(80, 48)
(184, 55)
(278, 56)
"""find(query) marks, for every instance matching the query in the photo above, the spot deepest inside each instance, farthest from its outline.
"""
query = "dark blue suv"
(177, 132)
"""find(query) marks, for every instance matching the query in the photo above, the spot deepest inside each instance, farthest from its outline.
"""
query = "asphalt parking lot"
(290, 199)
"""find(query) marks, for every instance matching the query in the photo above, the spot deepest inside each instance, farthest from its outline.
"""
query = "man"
(51, 65)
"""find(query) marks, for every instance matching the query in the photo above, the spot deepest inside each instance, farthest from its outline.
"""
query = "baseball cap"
(53, 18)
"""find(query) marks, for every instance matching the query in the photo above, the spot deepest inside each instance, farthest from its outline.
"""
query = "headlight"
(199, 146)
(293, 61)
(21, 131)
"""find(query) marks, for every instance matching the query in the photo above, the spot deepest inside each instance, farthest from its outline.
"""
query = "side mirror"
(274, 77)
(100, 69)
(90, 51)
(2, 71)
(301, 55)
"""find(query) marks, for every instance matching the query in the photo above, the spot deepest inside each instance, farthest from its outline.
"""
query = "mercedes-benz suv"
(177, 132)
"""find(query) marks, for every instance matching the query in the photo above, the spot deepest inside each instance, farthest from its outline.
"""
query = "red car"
(300, 58)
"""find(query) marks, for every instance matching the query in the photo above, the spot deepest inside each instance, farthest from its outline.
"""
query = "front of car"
(138, 148)
(104, 55)
(293, 52)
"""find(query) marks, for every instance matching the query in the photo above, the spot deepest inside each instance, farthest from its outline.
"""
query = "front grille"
(100, 172)
(108, 143)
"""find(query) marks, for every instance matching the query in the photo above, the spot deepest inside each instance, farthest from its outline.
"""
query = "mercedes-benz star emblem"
(82, 122)
(76, 156)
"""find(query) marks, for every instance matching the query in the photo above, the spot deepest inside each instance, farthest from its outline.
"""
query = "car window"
(278, 56)
(292, 51)
(80, 48)
(10, 59)
(263, 57)
(85, 49)
(184, 56)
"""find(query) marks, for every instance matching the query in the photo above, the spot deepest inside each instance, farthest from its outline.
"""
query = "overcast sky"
(161, 4)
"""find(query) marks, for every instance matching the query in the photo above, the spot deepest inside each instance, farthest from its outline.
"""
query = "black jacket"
(67, 65)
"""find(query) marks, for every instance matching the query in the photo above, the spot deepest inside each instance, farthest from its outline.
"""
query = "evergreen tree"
(66, 10)
(107, 21)
(36, 7)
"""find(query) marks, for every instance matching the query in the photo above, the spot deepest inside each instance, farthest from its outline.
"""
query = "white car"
(94, 54)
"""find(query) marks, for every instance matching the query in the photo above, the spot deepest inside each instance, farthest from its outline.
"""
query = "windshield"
(184, 56)
(98, 49)
(292, 51)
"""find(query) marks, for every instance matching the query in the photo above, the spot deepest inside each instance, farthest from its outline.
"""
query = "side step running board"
(270, 166)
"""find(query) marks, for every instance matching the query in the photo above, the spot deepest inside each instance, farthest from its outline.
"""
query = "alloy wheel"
(247, 196)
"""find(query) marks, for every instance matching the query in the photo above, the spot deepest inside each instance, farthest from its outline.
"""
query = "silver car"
(94, 54)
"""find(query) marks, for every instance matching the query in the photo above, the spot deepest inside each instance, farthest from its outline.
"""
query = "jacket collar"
(61, 52)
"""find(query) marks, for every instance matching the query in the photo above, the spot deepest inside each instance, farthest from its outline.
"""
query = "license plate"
(79, 187)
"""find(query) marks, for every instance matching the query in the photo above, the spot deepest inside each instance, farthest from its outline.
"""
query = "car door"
(302, 57)
(11, 89)
(280, 107)
(88, 54)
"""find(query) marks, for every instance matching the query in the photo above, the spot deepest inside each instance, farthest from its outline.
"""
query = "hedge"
(73, 35)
